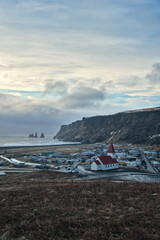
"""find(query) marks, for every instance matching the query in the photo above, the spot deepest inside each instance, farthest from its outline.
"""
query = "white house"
(156, 163)
(132, 161)
(104, 163)
(134, 152)
(121, 155)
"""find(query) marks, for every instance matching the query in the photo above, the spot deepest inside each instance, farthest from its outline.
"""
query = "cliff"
(137, 127)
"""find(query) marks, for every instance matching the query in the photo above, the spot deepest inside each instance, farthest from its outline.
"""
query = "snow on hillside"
(154, 136)
(144, 110)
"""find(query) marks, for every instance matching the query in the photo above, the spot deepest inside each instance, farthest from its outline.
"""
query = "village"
(43, 186)
(90, 161)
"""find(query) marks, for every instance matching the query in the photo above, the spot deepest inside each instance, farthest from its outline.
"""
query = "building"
(111, 151)
(104, 163)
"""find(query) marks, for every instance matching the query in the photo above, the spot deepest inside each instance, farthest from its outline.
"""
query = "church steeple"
(111, 151)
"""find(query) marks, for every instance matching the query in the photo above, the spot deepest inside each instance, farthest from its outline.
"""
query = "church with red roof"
(105, 162)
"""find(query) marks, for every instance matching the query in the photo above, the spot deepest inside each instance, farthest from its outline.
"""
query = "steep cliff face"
(128, 127)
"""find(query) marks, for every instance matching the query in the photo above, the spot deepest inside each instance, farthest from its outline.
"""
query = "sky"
(62, 60)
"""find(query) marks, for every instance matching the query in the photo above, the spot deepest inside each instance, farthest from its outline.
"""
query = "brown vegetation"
(44, 205)
(18, 151)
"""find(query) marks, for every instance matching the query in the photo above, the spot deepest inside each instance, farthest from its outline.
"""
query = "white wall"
(103, 167)
(95, 167)
(110, 166)
(131, 163)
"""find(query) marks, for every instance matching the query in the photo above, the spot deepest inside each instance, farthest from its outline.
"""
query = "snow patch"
(154, 136)
(144, 110)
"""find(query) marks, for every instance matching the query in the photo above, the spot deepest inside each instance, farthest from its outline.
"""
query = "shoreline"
(16, 151)
(43, 146)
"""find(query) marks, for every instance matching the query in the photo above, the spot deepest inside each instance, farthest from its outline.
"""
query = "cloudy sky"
(61, 60)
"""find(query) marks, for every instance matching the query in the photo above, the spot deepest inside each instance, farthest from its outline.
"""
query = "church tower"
(111, 151)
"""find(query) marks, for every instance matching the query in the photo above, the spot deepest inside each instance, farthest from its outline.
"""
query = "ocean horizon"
(23, 140)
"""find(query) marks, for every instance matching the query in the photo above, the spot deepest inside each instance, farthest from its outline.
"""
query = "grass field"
(45, 205)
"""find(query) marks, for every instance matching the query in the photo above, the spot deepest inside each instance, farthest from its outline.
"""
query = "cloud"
(130, 81)
(52, 86)
(154, 76)
(143, 93)
(40, 6)
(24, 114)
(20, 115)
(138, 83)
(83, 98)
(91, 53)
(109, 84)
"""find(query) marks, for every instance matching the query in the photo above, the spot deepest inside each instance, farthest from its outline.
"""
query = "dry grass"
(46, 206)
(14, 152)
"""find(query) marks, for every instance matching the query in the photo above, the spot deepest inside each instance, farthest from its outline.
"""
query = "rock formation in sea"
(31, 135)
(42, 135)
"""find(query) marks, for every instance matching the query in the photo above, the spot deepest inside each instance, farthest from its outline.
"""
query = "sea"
(22, 141)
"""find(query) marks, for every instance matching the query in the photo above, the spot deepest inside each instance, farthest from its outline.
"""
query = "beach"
(25, 150)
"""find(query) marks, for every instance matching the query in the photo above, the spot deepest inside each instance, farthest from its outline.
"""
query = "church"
(105, 162)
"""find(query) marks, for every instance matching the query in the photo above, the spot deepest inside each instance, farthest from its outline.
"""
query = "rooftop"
(106, 160)
(111, 148)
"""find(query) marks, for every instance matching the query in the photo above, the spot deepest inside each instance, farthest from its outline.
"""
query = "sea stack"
(33, 136)
(42, 135)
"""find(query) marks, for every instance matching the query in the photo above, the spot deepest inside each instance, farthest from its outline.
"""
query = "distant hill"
(137, 127)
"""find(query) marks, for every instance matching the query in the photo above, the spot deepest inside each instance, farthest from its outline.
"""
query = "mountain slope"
(139, 126)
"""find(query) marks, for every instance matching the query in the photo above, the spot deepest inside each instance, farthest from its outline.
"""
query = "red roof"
(111, 148)
(106, 160)
(97, 162)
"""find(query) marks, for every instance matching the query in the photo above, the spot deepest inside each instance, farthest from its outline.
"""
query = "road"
(149, 166)
(15, 161)
(83, 171)
(124, 174)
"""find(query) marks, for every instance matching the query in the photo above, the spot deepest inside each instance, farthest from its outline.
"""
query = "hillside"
(44, 205)
(137, 127)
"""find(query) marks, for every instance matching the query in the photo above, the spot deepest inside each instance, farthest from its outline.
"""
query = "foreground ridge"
(46, 206)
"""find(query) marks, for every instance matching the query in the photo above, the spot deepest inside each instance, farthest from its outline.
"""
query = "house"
(104, 163)
(121, 155)
(131, 161)
(47, 154)
(134, 152)
(88, 153)
(156, 163)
